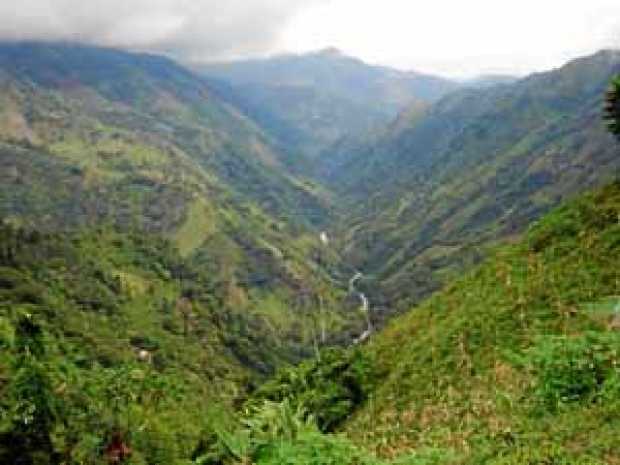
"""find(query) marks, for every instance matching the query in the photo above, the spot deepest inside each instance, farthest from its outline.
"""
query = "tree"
(32, 401)
(612, 107)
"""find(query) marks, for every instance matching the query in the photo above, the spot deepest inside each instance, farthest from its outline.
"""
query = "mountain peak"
(330, 52)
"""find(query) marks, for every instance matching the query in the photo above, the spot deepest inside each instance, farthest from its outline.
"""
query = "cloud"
(193, 30)
(457, 38)
(461, 37)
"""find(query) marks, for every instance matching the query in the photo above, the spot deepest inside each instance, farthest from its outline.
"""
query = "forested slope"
(479, 165)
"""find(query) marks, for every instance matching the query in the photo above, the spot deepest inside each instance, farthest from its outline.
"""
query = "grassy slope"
(517, 362)
(475, 369)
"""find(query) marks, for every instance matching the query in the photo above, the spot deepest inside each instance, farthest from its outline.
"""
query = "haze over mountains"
(186, 233)
(312, 101)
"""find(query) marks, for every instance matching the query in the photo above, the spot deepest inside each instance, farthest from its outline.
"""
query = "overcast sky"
(456, 38)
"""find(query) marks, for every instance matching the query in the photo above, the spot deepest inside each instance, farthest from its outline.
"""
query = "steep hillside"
(311, 101)
(515, 363)
(93, 137)
(476, 166)
(103, 333)
(95, 106)
(111, 340)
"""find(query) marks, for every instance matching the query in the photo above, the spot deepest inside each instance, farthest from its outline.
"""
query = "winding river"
(365, 307)
(353, 290)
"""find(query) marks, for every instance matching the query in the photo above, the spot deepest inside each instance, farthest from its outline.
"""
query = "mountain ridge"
(476, 166)
(144, 145)
(161, 257)
(310, 101)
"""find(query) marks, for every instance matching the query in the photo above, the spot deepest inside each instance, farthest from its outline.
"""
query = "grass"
(199, 224)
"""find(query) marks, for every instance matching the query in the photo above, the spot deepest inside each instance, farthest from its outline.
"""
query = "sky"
(454, 38)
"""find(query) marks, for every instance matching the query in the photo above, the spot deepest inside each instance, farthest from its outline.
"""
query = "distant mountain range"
(411, 173)
(311, 101)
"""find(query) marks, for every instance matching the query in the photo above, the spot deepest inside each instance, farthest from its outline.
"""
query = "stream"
(365, 307)
(353, 290)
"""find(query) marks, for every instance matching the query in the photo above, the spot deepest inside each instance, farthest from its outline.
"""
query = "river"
(365, 307)
(353, 290)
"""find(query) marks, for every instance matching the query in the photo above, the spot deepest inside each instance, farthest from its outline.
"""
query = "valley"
(305, 259)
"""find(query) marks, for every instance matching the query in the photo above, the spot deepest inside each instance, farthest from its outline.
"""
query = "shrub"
(572, 369)
(313, 448)
(328, 389)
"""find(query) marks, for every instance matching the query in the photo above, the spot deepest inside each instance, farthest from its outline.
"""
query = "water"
(364, 307)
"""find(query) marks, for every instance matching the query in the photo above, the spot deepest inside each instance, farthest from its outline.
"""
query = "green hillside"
(103, 333)
(145, 121)
(518, 361)
(425, 199)
(92, 136)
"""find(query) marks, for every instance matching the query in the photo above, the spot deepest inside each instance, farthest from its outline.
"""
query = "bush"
(572, 369)
(313, 448)
(328, 389)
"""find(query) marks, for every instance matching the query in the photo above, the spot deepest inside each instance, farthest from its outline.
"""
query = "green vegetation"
(101, 344)
(427, 197)
(327, 389)
(165, 297)
(518, 361)
(196, 229)
(289, 418)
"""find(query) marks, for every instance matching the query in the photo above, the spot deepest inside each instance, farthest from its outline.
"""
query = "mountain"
(156, 257)
(310, 101)
(65, 96)
(93, 137)
(490, 80)
(427, 195)
(173, 289)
